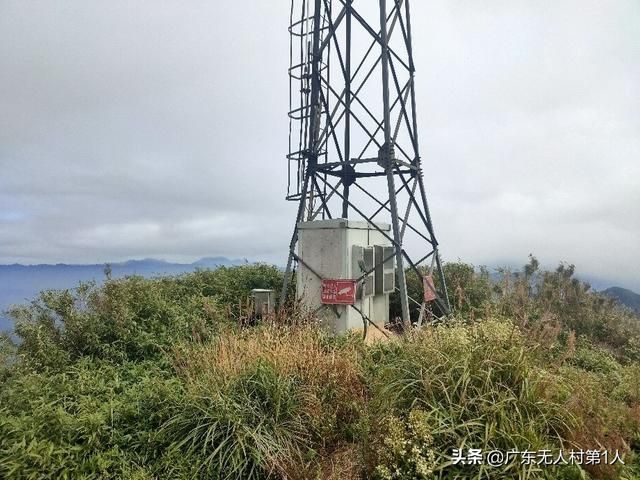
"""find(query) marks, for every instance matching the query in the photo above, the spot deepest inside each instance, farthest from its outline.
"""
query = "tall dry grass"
(271, 401)
(304, 351)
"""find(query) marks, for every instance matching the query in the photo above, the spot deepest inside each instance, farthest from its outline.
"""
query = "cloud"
(135, 129)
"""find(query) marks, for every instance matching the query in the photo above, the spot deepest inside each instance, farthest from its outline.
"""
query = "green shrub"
(275, 400)
(479, 387)
(151, 378)
(251, 428)
(469, 290)
(594, 359)
(406, 450)
(132, 319)
(93, 421)
(532, 298)
(7, 356)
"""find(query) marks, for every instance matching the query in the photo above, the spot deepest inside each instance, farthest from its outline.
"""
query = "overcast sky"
(133, 129)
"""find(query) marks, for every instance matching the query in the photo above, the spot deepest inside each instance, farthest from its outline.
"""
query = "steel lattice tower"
(353, 138)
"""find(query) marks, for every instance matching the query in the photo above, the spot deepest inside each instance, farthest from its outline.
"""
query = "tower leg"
(292, 243)
(388, 162)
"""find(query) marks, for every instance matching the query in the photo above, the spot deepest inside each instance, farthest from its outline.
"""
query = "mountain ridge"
(624, 296)
(218, 261)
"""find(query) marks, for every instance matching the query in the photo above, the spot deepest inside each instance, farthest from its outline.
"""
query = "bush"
(407, 448)
(271, 400)
(531, 298)
(479, 387)
(93, 421)
(250, 428)
(469, 290)
(148, 379)
(594, 359)
(131, 319)
(7, 356)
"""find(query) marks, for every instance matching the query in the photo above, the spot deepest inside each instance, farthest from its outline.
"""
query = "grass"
(153, 379)
(282, 395)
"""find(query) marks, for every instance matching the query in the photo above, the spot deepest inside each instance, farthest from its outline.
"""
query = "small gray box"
(263, 301)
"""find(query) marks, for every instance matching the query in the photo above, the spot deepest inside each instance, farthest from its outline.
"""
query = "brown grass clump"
(298, 369)
(342, 464)
(604, 423)
(303, 351)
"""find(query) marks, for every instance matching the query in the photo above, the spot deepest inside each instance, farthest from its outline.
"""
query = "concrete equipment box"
(343, 249)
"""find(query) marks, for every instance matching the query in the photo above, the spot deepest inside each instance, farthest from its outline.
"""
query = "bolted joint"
(386, 156)
(312, 161)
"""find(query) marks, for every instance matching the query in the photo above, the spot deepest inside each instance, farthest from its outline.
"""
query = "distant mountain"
(21, 283)
(625, 297)
(215, 262)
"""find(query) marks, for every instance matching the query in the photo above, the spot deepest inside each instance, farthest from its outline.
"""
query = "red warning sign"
(429, 288)
(338, 292)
